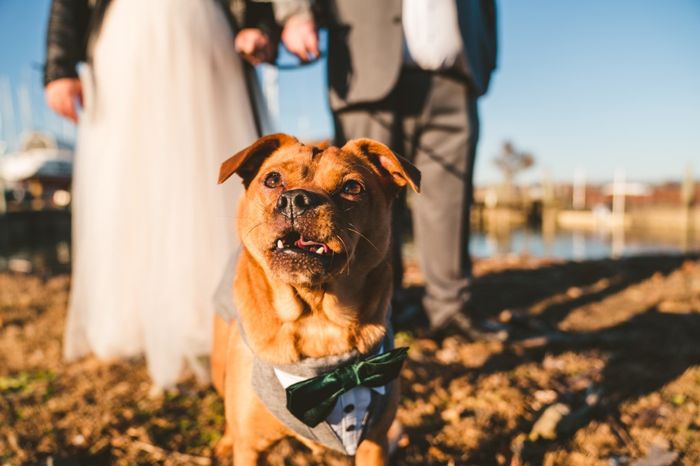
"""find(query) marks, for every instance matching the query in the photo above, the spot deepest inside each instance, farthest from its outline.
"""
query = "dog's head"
(310, 214)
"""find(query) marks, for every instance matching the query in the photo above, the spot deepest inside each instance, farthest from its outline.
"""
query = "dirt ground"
(602, 368)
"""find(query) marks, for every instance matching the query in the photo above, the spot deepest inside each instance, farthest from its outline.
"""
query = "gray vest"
(269, 389)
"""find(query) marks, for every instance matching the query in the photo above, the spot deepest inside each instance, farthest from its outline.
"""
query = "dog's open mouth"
(304, 257)
(295, 242)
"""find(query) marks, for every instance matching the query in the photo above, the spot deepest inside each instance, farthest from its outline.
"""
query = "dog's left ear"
(399, 170)
(247, 162)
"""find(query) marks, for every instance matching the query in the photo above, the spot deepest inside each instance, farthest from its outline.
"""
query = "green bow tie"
(312, 400)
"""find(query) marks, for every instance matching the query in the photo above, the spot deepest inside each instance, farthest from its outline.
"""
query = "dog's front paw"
(224, 448)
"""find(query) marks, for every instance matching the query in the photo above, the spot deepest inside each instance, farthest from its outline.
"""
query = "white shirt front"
(350, 413)
(432, 40)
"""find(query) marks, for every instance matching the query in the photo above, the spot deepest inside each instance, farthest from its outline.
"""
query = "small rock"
(452, 342)
(448, 355)
(618, 461)
(505, 316)
(438, 454)
(592, 396)
(552, 363)
(545, 396)
(659, 455)
(516, 447)
(451, 415)
(673, 307)
(546, 426)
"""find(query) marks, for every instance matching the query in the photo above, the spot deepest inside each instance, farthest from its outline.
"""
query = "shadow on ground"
(615, 341)
(641, 348)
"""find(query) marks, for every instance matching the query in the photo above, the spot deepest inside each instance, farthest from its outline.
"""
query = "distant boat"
(40, 172)
(40, 156)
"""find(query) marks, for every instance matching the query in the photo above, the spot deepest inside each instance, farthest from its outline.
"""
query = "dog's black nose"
(295, 202)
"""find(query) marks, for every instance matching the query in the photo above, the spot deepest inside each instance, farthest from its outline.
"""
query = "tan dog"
(313, 279)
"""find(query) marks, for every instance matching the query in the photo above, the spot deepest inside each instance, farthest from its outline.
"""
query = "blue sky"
(595, 85)
(598, 85)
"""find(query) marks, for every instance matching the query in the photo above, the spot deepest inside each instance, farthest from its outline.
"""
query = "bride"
(164, 101)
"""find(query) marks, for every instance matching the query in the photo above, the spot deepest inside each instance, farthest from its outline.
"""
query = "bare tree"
(510, 162)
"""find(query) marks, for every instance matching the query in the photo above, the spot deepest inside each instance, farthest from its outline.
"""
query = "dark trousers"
(431, 119)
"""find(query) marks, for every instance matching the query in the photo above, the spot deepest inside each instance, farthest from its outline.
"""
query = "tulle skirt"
(165, 103)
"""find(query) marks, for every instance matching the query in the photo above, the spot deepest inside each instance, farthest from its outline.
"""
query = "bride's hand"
(63, 97)
(254, 45)
(300, 37)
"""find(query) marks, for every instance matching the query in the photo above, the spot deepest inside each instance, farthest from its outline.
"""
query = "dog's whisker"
(251, 230)
(347, 256)
(363, 236)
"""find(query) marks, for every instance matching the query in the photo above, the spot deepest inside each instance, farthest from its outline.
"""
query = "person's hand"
(63, 96)
(254, 45)
(300, 37)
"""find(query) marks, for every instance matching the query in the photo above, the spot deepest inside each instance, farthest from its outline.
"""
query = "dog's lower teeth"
(280, 244)
(320, 250)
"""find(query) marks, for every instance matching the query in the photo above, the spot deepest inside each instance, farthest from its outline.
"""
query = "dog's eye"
(273, 180)
(353, 187)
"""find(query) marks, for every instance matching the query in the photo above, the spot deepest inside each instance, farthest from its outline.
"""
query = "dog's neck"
(308, 322)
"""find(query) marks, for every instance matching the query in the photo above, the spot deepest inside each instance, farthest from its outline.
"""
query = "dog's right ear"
(395, 168)
(247, 162)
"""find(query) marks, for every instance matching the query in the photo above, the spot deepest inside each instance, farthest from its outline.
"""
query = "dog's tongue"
(318, 248)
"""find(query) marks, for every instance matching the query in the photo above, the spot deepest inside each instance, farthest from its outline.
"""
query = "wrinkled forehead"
(309, 161)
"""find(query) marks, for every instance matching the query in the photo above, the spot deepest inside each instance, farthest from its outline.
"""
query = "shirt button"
(349, 408)
(350, 428)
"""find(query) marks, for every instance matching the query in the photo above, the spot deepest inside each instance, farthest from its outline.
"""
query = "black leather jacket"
(72, 24)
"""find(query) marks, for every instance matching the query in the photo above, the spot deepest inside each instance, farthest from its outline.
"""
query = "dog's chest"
(343, 429)
(351, 414)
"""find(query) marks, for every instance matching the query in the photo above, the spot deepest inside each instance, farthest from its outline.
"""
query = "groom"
(408, 73)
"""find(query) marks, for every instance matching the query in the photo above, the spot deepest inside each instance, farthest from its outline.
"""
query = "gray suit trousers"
(431, 119)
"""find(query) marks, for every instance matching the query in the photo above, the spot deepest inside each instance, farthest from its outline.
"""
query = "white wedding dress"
(164, 104)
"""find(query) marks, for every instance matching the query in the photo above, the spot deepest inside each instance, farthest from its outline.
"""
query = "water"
(40, 243)
(578, 245)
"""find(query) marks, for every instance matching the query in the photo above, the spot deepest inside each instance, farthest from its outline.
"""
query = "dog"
(312, 290)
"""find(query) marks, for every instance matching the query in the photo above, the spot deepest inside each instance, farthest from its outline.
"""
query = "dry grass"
(615, 341)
